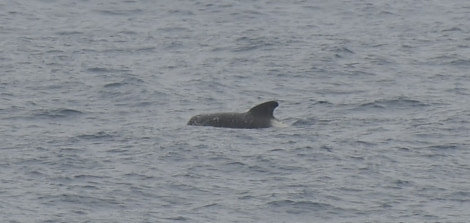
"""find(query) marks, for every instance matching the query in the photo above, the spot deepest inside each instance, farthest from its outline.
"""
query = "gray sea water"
(95, 97)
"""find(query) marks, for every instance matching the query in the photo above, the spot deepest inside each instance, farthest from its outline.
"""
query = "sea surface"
(95, 97)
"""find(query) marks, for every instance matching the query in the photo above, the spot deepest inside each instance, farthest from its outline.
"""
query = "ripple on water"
(56, 113)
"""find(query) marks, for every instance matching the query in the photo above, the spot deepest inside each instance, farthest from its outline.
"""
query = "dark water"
(95, 97)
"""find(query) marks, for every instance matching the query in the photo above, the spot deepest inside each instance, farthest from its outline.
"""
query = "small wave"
(343, 50)
(177, 218)
(339, 51)
(176, 29)
(145, 49)
(131, 80)
(305, 122)
(98, 70)
(453, 29)
(460, 62)
(105, 70)
(68, 33)
(112, 85)
(97, 135)
(299, 207)
(454, 60)
(403, 102)
(460, 196)
(120, 12)
(396, 103)
(250, 44)
(444, 147)
(75, 198)
(57, 113)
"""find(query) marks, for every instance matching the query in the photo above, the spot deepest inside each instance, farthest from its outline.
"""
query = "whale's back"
(260, 116)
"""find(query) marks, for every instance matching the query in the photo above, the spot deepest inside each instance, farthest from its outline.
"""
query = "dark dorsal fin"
(265, 109)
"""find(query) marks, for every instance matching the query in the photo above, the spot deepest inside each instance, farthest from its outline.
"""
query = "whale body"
(260, 116)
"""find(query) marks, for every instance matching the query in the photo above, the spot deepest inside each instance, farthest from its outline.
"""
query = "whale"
(259, 116)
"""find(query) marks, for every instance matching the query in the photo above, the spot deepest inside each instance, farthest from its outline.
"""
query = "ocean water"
(95, 97)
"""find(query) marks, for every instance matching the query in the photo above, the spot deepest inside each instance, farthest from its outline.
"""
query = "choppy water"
(95, 96)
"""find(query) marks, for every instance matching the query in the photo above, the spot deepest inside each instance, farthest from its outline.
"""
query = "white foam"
(278, 124)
